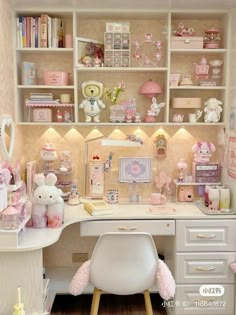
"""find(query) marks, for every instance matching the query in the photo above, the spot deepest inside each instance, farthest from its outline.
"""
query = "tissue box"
(182, 42)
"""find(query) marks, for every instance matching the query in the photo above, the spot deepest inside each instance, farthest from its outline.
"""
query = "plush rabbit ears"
(49, 180)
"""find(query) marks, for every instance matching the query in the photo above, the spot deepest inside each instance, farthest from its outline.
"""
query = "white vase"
(224, 198)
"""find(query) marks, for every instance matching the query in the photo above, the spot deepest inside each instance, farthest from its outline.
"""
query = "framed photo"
(138, 169)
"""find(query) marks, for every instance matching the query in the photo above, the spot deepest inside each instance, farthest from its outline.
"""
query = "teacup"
(193, 117)
(157, 199)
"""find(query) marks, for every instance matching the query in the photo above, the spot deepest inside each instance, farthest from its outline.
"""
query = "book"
(29, 73)
(97, 207)
(44, 31)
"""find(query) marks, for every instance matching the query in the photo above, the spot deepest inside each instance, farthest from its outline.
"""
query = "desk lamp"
(150, 89)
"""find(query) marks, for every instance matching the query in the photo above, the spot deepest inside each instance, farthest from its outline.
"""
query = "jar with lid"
(10, 218)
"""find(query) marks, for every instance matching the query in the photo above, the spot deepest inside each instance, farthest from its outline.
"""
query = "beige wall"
(6, 70)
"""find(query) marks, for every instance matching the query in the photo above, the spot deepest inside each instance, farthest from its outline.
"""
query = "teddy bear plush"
(92, 104)
(48, 205)
(212, 110)
(203, 151)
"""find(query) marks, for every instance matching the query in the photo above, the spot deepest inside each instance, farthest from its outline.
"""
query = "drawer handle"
(124, 228)
(206, 236)
(205, 269)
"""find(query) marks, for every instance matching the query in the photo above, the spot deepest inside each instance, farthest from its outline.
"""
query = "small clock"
(161, 147)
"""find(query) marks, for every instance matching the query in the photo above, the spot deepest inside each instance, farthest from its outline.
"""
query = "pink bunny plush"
(203, 151)
(48, 205)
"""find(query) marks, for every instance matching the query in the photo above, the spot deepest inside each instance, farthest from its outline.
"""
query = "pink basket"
(56, 78)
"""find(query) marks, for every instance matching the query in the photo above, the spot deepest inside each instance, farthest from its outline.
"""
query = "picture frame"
(135, 169)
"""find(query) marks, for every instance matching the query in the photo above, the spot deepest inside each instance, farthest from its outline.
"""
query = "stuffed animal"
(48, 205)
(212, 110)
(203, 151)
(92, 104)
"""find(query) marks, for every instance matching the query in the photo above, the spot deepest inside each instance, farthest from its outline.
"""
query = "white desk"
(194, 241)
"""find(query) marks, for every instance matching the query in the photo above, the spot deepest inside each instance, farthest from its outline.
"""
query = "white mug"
(193, 117)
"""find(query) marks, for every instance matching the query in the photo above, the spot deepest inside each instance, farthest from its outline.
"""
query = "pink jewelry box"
(56, 78)
(186, 102)
(182, 42)
(42, 115)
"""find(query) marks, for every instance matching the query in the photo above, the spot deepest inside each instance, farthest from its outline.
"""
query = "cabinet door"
(205, 235)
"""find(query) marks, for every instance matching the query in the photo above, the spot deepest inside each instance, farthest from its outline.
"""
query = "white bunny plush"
(48, 205)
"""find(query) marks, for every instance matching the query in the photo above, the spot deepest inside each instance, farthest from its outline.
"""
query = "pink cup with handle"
(157, 199)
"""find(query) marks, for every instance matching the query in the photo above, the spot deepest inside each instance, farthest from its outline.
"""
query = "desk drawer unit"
(205, 235)
(154, 227)
(204, 268)
(189, 301)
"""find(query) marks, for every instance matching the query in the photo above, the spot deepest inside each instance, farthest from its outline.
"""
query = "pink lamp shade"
(150, 89)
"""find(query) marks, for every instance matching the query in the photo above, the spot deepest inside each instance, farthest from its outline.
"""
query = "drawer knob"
(124, 228)
(206, 236)
(205, 269)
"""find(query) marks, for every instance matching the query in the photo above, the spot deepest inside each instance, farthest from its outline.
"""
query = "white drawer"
(154, 227)
(189, 301)
(204, 268)
(206, 235)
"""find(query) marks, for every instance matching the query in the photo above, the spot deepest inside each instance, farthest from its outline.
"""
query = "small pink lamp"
(150, 89)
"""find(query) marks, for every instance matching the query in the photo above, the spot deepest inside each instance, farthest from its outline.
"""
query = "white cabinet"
(204, 250)
(157, 24)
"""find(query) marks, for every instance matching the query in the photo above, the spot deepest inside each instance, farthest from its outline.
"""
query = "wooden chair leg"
(95, 302)
(148, 303)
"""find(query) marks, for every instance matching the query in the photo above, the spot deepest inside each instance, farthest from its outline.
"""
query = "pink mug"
(157, 199)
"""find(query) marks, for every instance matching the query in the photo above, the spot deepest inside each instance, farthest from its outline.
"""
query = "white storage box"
(186, 102)
(182, 42)
(42, 115)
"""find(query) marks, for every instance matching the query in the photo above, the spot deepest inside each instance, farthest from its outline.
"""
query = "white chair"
(123, 264)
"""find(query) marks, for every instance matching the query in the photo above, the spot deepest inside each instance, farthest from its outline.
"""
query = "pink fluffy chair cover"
(80, 279)
(164, 280)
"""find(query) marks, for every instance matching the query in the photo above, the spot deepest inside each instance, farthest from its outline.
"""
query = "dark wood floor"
(109, 305)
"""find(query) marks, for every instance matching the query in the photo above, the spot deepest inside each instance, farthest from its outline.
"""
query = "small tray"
(205, 210)
(161, 210)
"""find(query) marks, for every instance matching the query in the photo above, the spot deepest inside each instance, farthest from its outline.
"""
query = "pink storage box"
(42, 115)
(182, 42)
(186, 102)
(56, 78)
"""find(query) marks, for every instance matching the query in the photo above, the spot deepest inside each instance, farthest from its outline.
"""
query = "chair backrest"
(124, 263)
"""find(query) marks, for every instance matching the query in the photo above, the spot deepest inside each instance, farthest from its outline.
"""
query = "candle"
(18, 295)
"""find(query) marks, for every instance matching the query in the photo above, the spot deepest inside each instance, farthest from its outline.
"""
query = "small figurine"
(154, 111)
(184, 31)
(212, 110)
(74, 196)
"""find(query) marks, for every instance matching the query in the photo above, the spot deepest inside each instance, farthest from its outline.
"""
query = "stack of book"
(97, 207)
(41, 100)
(41, 31)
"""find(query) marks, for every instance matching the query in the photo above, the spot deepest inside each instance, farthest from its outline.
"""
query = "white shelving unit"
(161, 25)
